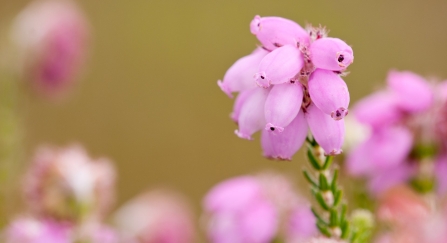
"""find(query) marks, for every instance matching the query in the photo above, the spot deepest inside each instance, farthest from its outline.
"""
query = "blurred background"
(148, 97)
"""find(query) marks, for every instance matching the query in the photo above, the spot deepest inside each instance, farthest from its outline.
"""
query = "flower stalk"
(331, 215)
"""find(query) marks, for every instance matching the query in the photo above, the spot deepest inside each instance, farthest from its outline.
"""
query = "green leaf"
(345, 229)
(323, 230)
(321, 201)
(324, 186)
(319, 218)
(333, 219)
(343, 213)
(309, 179)
(328, 162)
(313, 161)
(337, 197)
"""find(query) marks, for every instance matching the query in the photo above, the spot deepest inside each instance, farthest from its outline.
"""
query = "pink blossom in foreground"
(406, 122)
(256, 209)
(65, 183)
(30, 230)
(52, 37)
(155, 217)
(290, 83)
(411, 218)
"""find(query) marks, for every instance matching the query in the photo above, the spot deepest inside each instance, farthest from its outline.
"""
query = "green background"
(148, 98)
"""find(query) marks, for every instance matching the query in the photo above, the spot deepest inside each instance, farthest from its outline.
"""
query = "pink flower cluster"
(257, 209)
(289, 83)
(51, 36)
(68, 195)
(403, 118)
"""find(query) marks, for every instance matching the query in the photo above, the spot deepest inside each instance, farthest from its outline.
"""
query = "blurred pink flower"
(52, 37)
(298, 74)
(257, 209)
(30, 230)
(411, 218)
(158, 216)
(403, 118)
(66, 184)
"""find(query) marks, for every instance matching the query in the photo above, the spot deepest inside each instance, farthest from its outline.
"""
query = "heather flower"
(405, 121)
(67, 184)
(257, 209)
(31, 230)
(154, 217)
(51, 37)
(292, 82)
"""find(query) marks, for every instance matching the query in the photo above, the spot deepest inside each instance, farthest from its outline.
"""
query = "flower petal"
(331, 54)
(386, 148)
(329, 93)
(282, 105)
(284, 145)
(259, 222)
(233, 194)
(239, 102)
(413, 93)
(239, 76)
(328, 132)
(274, 32)
(279, 66)
(378, 110)
(251, 117)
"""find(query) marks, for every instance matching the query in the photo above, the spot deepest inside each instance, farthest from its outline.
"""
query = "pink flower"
(52, 38)
(257, 209)
(297, 74)
(403, 118)
(155, 217)
(67, 184)
(30, 230)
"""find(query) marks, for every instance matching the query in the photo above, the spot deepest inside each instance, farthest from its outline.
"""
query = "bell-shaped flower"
(238, 212)
(251, 117)
(274, 32)
(329, 93)
(331, 54)
(301, 225)
(239, 76)
(238, 103)
(329, 133)
(386, 148)
(279, 66)
(52, 38)
(284, 145)
(378, 110)
(156, 216)
(413, 93)
(282, 105)
(31, 230)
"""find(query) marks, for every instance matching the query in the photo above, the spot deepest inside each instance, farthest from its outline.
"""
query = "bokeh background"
(148, 98)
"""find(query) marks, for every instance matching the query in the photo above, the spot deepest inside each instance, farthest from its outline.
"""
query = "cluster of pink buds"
(51, 37)
(291, 82)
(257, 209)
(406, 121)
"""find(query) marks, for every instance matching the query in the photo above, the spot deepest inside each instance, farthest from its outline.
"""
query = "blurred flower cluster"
(69, 196)
(406, 135)
(291, 82)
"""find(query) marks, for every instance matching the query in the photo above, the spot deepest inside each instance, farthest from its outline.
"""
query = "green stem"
(331, 214)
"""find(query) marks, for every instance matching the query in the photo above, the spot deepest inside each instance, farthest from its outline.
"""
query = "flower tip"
(277, 158)
(255, 25)
(272, 128)
(345, 58)
(225, 88)
(334, 152)
(261, 80)
(339, 114)
(242, 135)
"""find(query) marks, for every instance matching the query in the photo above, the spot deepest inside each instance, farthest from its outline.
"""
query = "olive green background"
(149, 100)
